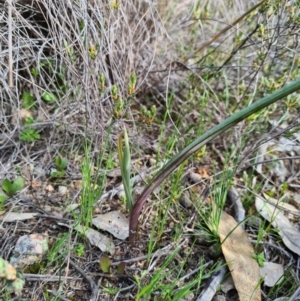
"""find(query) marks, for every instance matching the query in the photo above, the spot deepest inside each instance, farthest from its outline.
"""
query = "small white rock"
(62, 190)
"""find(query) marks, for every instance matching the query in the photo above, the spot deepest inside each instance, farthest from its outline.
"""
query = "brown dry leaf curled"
(238, 253)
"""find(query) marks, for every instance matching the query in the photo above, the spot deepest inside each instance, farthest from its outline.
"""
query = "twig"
(295, 295)
(49, 278)
(239, 211)
(224, 30)
(268, 161)
(123, 289)
(164, 251)
(10, 59)
(134, 181)
(195, 271)
(262, 141)
(129, 260)
(208, 293)
(93, 286)
(111, 275)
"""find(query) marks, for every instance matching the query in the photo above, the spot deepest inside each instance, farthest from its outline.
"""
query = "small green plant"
(79, 249)
(114, 93)
(29, 135)
(159, 282)
(119, 107)
(147, 116)
(70, 51)
(260, 258)
(124, 158)
(110, 161)
(61, 165)
(48, 97)
(28, 101)
(102, 82)
(120, 268)
(105, 264)
(12, 187)
(92, 184)
(3, 198)
(116, 5)
(58, 249)
(34, 72)
(132, 84)
(92, 52)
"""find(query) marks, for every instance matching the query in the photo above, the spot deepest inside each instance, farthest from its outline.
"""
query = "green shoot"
(124, 158)
(61, 164)
(12, 187)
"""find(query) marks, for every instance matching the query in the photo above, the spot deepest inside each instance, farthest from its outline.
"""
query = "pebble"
(185, 200)
(62, 190)
(195, 177)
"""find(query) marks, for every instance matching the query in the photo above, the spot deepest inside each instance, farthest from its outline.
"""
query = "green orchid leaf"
(105, 264)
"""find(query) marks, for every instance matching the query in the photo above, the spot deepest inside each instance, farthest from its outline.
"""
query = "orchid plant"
(169, 167)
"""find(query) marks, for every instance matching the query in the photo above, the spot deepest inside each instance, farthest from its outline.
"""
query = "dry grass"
(137, 36)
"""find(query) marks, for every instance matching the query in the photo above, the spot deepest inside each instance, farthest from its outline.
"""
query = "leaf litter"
(238, 253)
(113, 222)
(268, 209)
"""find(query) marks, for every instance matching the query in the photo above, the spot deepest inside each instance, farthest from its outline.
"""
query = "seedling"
(3, 198)
(120, 268)
(34, 72)
(11, 188)
(260, 258)
(28, 101)
(29, 135)
(105, 264)
(49, 97)
(61, 164)
(114, 92)
(79, 250)
(116, 5)
(124, 158)
(132, 83)
(70, 51)
(118, 111)
(147, 116)
(102, 82)
(92, 52)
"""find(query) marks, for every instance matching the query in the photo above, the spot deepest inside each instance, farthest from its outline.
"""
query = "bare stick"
(10, 58)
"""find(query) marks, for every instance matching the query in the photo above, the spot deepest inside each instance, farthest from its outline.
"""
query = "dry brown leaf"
(104, 243)
(35, 184)
(114, 222)
(97, 239)
(238, 253)
(49, 188)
